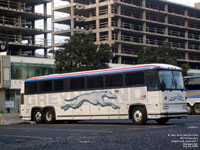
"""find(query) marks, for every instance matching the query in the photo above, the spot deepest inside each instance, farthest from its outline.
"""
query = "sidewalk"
(10, 118)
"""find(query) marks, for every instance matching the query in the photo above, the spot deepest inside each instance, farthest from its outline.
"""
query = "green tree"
(80, 53)
(185, 68)
(163, 54)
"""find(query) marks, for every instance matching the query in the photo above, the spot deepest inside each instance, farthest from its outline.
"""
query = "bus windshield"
(171, 79)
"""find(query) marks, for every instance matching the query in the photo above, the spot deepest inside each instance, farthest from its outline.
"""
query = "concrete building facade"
(128, 25)
(18, 44)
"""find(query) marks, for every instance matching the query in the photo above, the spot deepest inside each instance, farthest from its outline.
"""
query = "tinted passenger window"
(77, 83)
(152, 80)
(95, 82)
(114, 80)
(31, 88)
(134, 78)
(192, 84)
(45, 86)
(59, 85)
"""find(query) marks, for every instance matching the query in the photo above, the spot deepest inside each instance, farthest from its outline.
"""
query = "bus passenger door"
(153, 92)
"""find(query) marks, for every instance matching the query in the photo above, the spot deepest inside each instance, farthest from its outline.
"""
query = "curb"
(10, 118)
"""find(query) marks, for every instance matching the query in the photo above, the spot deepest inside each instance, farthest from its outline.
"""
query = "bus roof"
(104, 71)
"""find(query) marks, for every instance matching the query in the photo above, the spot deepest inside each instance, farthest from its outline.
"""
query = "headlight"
(165, 107)
(184, 106)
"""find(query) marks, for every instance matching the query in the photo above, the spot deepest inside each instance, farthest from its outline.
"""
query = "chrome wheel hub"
(49, 116)
(138, 116)
(38, 116)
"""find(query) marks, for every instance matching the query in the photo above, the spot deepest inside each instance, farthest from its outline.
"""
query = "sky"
(186, 2)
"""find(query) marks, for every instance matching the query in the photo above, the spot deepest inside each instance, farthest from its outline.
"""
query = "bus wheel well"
(40, 108)
(48, 107)
(133, 106)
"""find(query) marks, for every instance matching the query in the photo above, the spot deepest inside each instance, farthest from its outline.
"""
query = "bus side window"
(114, 80)
(31, 87)
(193, 84)
(45, 86)
(59, 85)
(151, 80)
(134, 78)
(77, 83)
(95, 82)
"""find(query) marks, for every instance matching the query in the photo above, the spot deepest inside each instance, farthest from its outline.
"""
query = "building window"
(19, 71)
(24, 70)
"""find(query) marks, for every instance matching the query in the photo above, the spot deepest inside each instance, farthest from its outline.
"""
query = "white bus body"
(192, 85)
(148, 99)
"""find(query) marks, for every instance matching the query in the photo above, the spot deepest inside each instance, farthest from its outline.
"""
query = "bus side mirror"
(162, 86)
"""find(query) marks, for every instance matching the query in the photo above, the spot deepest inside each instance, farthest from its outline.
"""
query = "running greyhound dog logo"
(179, 97)
(94, 98)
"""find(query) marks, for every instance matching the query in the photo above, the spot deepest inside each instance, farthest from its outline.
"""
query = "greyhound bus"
(139, 92)
(192, 84)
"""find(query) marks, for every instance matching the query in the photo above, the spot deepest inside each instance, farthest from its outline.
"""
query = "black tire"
(162, 120)
(139, 115)
(49, 116)
(197, 108)
(38, 116)
(190, 109)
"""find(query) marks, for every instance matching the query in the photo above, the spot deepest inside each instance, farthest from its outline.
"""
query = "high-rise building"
(19, 40)
(128, 25)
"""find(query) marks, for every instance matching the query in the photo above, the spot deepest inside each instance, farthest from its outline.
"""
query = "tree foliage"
(163, 54)
(185, 68)
(80, 54)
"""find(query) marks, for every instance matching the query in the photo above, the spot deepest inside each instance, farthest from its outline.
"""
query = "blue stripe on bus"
(195, 96)
(193, 93)
(91, 74)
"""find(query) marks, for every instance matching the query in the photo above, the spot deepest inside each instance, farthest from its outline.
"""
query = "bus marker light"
(185, 106)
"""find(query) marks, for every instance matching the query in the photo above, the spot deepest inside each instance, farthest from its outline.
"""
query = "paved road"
(178, 134)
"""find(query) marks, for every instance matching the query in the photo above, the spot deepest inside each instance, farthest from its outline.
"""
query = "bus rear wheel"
(38, 116)
(162, 120)
(197, 108)
(49, 115)
(139, 115)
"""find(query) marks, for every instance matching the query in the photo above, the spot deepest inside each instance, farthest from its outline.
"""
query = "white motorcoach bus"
(140, 92)
(192, 85)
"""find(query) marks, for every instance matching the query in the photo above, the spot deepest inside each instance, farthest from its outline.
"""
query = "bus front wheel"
(38, 116)
(49, 116)
(139, 115)
(197, 108)
(190, 109)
